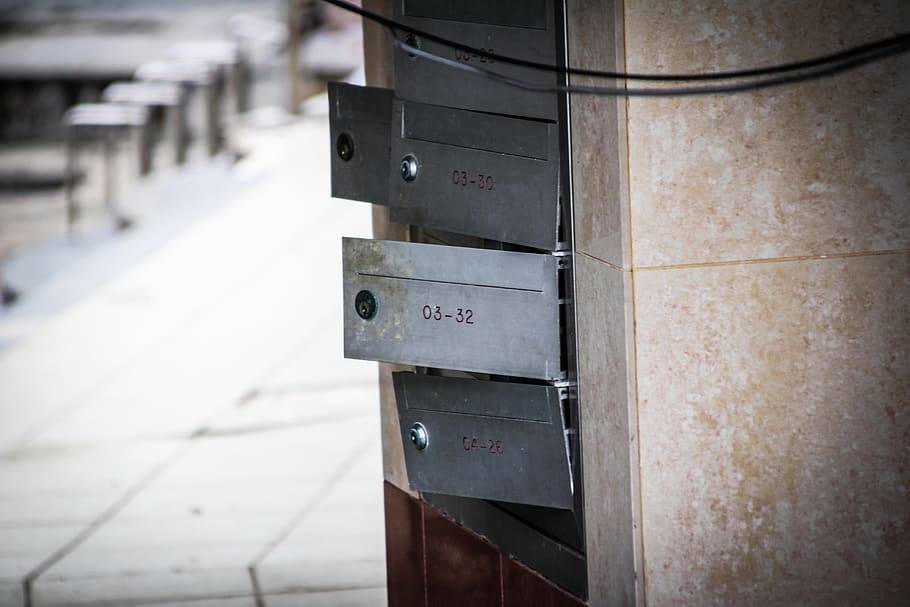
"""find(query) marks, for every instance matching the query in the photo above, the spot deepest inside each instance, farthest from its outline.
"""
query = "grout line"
(639, 580)
(603, 261)
(745, 262)
(257, 588)
(104, 517)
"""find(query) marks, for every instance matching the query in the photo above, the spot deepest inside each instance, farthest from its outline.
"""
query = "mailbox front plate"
(488, 440)
(364, 114)
(453, 308)
(524, 30)
(495, 177)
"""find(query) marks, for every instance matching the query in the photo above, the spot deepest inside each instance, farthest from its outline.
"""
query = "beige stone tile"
(599, 150)
(775, 428)
(394, 469)
(608, 417)
(809, 169)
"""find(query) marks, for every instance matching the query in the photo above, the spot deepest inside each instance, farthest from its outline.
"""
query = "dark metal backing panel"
(506, 188)
(489, 440)
(453, 308)
(364, 114)
(421, 79)
(556, 561)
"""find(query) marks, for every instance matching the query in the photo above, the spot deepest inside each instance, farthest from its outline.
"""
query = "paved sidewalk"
(186, 431)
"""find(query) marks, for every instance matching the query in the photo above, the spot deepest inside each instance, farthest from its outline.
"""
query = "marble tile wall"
(770, 273)
(774, 404)
(810, 169)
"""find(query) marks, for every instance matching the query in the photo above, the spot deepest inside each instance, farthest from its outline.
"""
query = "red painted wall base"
(434, 562)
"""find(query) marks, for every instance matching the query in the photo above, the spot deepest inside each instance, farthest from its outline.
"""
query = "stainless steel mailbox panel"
(523, 29)
(473, 173)
(359, 122)
(452, 308)
(484, 439)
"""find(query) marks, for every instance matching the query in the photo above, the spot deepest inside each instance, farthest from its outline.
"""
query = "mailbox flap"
(483, 439)
(480, 174)
(452, 308)
(359, 120)
(524, 30)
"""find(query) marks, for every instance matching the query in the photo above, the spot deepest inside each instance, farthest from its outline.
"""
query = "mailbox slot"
(455, 308)
(484, 439)
(495, 177)
(523, 30)
(359, 122)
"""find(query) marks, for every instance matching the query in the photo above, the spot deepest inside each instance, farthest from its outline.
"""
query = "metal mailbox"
(473, 173)
(359, 122)
(523, 29)
(482, 439)
(452, 308)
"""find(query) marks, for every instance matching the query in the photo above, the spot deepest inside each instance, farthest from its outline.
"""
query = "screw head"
(344, 146)
(408, 168)
(365, 305)
(419, 436)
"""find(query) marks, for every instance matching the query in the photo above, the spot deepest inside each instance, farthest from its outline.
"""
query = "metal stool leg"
(69, 188)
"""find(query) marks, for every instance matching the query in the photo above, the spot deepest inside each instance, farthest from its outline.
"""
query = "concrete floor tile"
(363, 597)
(64, 470)
(35, 541)
(320, 576)
(23, 549)
(287, 406)
(11, 594)
(50, 510)
(247, 601)
(354, 496)
(332, 533)
(161, 586)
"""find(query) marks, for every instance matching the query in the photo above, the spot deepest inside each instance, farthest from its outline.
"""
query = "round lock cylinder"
(365, 305)
(419, 436)
(344, 146)
(408, 168)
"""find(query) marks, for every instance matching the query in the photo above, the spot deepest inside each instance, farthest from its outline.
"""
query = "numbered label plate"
(523, 30)
(484, 439)
(490, 176)
(359, 122)
(452, 308)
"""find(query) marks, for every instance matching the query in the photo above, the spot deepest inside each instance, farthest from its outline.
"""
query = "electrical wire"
(713, 89)
(838, 62)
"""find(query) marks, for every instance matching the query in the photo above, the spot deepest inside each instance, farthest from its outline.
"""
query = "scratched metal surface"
(364, 114)
(496, 177)
(521, 28)
(453, 308)
(488, 440)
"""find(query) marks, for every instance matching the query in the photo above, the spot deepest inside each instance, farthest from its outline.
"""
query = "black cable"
(752, 85)
(897, 43)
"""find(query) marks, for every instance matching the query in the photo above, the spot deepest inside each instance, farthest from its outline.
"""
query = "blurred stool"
(192, 76)
(168, 96)
(224, 56)
(104, 122)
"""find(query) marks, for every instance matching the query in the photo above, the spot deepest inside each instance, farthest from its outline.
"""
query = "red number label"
(461, 316)
(491, 446)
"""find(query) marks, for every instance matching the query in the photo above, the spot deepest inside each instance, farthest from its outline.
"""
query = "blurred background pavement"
(177, 423)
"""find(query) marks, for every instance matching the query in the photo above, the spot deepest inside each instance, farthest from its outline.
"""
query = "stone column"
(743, 292)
